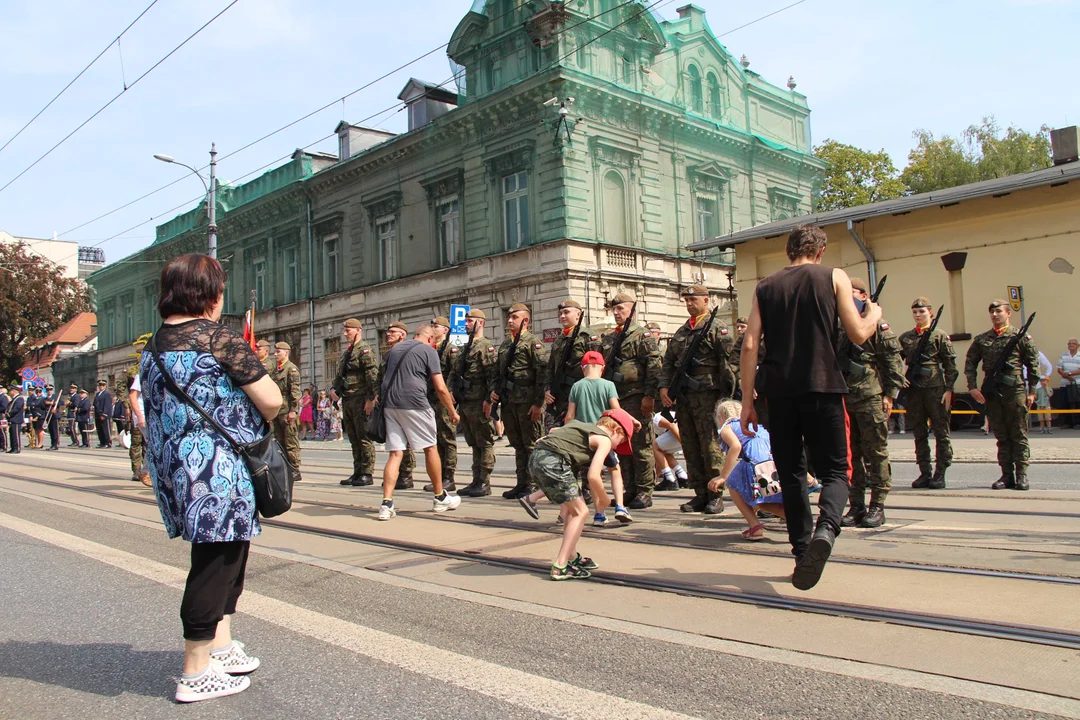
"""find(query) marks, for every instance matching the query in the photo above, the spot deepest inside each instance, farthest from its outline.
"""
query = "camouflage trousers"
(869, 442)
(137, 451)
(638, 468)
(480, 435)
(522, 432)
(924, 404)
(1008, 415)
(288, 437)
(446, 443)
(700, 443)
(354, 423)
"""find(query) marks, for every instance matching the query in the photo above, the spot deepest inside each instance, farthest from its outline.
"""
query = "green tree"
(982, 152)
(35, 299)
(855, 176)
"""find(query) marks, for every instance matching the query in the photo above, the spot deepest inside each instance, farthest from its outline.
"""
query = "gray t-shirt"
(409, 390)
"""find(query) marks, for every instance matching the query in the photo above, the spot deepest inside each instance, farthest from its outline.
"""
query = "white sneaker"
(387, 511)
(451, 502)
(213, 682)
(234, 660)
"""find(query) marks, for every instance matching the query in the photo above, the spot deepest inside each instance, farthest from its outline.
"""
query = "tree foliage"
(35, 299)
(855, 176)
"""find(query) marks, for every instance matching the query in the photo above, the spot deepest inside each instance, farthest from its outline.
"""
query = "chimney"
(1066, 143)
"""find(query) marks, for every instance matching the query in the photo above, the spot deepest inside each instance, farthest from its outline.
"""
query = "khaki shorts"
(553, 474)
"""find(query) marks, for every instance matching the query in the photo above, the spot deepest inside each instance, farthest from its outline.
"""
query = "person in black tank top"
(800, 310)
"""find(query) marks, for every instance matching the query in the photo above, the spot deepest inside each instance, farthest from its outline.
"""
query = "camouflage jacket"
(448, 359)
(560, 386)
(987, 348)
(525, 371)
(938, 366)
(711, 368)
(637, 369)
(736, 359)
(287, 378)
(873, 368)
(475, 371)
(357, 372)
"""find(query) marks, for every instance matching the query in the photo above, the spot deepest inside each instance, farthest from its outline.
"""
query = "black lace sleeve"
(237, 358)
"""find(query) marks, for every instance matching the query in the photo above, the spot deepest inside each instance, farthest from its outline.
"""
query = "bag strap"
(178, 391)
(390, 380)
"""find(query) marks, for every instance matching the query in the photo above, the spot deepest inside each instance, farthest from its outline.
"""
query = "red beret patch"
(884, 326)
(723, 331)
(539, 346)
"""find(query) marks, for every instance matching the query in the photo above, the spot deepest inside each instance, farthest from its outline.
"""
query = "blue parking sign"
(457, 319)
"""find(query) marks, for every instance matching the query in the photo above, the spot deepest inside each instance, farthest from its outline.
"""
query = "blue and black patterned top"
(203, 486)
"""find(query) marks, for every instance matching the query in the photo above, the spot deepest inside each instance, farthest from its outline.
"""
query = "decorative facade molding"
(606, 153)
(450, 183)
(710, 177)
(510, 159)
(381, 205)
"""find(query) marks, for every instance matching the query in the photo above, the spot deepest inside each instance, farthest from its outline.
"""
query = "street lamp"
(211, 203)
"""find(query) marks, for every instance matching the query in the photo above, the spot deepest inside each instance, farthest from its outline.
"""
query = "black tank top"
(801, 328)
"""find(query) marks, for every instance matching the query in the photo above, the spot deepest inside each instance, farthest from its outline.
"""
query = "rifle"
(503, 380)
(879, 288)
(993, 381)
(457, 380)
(681, 381)
(563, 365)
(915, 368)
(616, 347)
(338, 385)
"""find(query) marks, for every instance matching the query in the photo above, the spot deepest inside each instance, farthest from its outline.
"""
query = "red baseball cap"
(592, 358)
(627, 424)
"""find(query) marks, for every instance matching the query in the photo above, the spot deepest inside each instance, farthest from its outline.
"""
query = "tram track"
(944, 623)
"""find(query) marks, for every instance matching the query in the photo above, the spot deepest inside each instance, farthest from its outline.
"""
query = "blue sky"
(873, 72)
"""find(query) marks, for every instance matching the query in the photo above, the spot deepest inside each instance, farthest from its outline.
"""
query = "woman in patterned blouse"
(203, 487)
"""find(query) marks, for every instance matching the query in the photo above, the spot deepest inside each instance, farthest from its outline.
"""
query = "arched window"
(614, 199)
(716, 107)
(696, 103)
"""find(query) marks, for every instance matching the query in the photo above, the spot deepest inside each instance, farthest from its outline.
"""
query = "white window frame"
(448, 220)
(290, 261)
(386, 233)
(702, 216)
(258, 269)
(517, 237)
(330, 264)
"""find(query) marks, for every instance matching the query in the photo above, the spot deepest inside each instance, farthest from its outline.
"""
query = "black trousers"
(214, 584)
(818, 422)
(14, 437)
(54, 432)
(104, 436)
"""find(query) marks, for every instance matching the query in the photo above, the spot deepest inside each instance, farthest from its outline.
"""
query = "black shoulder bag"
(272, 476)
(376, 424)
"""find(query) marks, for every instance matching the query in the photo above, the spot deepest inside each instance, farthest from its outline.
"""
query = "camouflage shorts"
(553, 474)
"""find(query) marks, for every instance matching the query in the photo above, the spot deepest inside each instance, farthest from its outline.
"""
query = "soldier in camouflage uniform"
(929, 395)
(1007, 408)
(874, 372)
(395, 333)
(522, 401)
(558, 381)
(711, 379)
(262, 351)
(446, 432)
(471, 382)
(355, 386)
(287, 377)
(636, 374)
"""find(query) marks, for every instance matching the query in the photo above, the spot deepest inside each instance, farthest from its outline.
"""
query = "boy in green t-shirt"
(554, 466)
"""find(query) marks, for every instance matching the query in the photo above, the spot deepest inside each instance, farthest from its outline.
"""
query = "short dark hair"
(190, 285)
(806, 241)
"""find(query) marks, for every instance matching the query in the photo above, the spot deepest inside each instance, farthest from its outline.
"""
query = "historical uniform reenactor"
(35, 408)
(103, 407)
(15, 414)
(395, 333)
(262, 351)
(84, 416)
(356, 386)
(5, 403)
(445, 431)
(470, 383)
(71, 407)
(874, 373)
(52, 421)
(709, 379)
(1004, 393)
(287, 376)
(564, 370)
(518, 387)
(929, 395)
(634, 367)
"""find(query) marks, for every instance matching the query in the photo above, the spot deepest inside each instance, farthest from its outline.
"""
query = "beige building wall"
(59, 252)
(1010, 240)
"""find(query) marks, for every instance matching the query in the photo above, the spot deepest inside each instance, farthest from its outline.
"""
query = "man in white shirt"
(1068, 368)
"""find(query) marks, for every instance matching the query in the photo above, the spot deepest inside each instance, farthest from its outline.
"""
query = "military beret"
(741, 321)
(262, 343)
(921, 302)
(858, 284)
(476, 313)
(441, 320)
(699, 290)
(623, 297)
(653, 326)
(399, 325)
(352, 323)
(283, 346)
(569, 304)
(998, 303)
(519, 307)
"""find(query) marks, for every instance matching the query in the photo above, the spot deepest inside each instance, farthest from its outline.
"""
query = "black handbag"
(272, 475)
(376, 424)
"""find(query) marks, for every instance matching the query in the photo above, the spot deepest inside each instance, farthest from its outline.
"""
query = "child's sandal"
(757, 532)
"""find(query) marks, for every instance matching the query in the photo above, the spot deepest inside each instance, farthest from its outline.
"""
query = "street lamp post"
(211, 194)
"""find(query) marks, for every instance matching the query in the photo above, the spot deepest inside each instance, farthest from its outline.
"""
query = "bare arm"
(858, 327)
(266, 396)
(748, 360)
(571, 412)
(731, 457)
(133, 403)
(445, 397)
(601, 446)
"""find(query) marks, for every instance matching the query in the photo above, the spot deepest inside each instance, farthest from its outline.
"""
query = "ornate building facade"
(587, 145)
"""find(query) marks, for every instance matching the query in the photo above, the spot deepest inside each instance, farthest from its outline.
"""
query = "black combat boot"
(697, 504)
(447, 485)
(479, 487)
(874, 517)
(855, 514)
(363, 480)
(715, 505)
(1006, 481)
(404, 482)
(641, 501)
(923, 481)
(1021, 478)
(938, 481)
(347, 481)
(516, 492)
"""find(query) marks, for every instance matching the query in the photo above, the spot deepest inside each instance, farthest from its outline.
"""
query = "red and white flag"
(249, 327)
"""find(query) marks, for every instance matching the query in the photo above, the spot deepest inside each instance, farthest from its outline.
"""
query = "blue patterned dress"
(203, 486)
(754, 450)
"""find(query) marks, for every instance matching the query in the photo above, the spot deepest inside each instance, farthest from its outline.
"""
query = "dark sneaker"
(583, 562)
(809, 567)
(696, 505)
(569, 572)
(666, 485)
(641, 501)
(530, 507)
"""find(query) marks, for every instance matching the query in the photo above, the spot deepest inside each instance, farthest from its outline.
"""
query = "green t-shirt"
(592, 398)
(572, 441)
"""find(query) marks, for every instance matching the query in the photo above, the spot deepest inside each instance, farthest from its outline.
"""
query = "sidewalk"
(968, 447)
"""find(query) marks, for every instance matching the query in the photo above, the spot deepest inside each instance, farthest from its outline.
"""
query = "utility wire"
(117, 96)
(116, 41)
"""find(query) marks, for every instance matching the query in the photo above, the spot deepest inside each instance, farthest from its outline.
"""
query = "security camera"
(552, 101)
(569, 101)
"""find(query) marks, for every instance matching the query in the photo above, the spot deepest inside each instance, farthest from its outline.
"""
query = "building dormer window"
(696, 102)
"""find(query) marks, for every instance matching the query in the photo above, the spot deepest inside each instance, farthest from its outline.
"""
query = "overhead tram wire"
(115, 41)
(117, 96)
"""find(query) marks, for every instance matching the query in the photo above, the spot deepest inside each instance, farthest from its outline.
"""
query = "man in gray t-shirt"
(412, 367)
